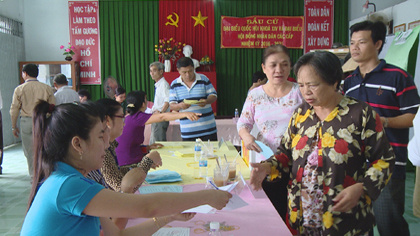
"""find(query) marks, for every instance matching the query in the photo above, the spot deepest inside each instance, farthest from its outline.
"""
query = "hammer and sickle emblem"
(172, 21)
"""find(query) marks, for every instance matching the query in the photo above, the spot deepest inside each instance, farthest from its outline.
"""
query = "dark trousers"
(389, 209)
(211, 137)
(1, 142)
(277, 193)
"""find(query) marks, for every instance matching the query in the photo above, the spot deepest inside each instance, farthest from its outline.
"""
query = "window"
(9, 26)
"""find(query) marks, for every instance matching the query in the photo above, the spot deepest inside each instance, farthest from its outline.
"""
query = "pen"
(214, 186)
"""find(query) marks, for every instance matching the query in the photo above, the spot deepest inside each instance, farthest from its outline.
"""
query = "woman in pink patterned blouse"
(270, 107)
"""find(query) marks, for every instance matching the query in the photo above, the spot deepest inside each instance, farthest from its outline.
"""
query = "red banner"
(84, 36)
(189, 22)
(261, 31)
(319, 24)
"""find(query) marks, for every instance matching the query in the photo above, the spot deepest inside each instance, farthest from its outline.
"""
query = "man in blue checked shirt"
(200, 94)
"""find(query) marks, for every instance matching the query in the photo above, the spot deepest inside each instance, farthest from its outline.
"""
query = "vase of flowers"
(168, 49)
(68, 52)
(206, 62)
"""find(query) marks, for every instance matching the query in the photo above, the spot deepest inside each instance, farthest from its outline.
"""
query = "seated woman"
(130, 150)
(120, 97)
(68, 144)
(120, 179)
(324, 150)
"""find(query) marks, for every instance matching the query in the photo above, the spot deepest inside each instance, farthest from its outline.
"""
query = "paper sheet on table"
(173, 147)
(266, 151)
(173, 231)
(184, 154)
(160, 189)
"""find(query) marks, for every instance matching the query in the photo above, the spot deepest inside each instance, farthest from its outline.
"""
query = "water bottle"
(202, 164)
(197, 150)
(214, 229)
(236, 115)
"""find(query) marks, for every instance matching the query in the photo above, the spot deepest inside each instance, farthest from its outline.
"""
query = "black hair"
(119, 91)
(326, 65)
(259, 75)
(377, 29)
(273, 49)
(135, 100)
(60, 79)
(110, 107)
(83, 93)
(53, 130)
(31, 70)
(184, 62)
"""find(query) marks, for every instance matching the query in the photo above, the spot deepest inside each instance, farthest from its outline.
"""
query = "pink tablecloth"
(258, 218)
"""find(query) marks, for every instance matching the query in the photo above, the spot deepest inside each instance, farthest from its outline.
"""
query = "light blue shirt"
(58, 205)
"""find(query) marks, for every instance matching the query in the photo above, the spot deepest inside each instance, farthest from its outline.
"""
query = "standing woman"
(270, 107)
(325, 150)
(130, 150)
(120, 97)
(68, 144)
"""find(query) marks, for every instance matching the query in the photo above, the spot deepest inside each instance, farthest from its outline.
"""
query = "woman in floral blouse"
(270, 107)
(329, 139)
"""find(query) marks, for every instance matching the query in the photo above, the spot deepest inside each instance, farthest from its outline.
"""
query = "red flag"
(189, 22)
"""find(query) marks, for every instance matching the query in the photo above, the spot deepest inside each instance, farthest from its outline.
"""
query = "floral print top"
(351, 134)
(271, 115)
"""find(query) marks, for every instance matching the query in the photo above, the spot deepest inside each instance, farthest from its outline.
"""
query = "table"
(226, 128)
(258, 218)
(188, 168)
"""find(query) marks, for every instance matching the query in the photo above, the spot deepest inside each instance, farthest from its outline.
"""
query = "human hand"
(258, 174)
(202, 102)
(132, 179)
(218, 198)
(192, 116)
(155, 146)
(348, 198)
(181, 216)
(184, 106)
(155, 157)
(16, 132)
(250, 144)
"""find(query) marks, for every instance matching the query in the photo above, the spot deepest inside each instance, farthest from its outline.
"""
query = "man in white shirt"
(64, 94)
(161, 101)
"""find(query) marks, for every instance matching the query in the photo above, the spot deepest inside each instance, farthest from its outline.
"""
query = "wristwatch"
(13, 128)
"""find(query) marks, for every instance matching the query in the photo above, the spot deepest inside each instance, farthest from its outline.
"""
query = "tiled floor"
(15, 187)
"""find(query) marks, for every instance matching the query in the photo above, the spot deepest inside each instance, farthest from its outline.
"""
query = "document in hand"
(234, 203)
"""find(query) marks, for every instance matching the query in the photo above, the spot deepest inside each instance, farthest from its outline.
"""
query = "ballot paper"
(160, 189)
(172, 231)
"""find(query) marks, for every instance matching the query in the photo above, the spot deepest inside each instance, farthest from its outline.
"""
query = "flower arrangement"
(168, 49)
(68, 52)
(206, 61)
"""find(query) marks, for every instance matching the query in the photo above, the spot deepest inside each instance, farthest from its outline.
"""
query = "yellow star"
(199, 19)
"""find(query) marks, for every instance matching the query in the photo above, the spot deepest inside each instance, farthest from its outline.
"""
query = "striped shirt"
(391, 92)
(200, 89)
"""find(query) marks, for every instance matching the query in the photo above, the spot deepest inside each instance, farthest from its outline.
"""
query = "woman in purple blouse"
(130, 149)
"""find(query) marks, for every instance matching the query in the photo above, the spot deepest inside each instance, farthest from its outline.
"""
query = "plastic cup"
(221, 175)
(232, 170)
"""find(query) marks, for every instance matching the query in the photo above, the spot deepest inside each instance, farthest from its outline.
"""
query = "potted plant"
(68, 52)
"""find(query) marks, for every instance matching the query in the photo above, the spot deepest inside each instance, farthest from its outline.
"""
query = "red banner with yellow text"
(319, 24)
(84, 36)
(261, 31)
